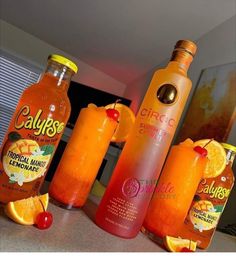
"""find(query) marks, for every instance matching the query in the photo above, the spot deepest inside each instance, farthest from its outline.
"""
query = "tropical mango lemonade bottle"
(210, 199)
(35, 131)
(83, 156)
(175, 189)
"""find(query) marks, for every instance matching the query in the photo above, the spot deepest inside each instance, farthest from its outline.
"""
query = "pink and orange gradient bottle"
(124, 204)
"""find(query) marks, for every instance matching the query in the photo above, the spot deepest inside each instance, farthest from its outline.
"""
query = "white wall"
(33, 50)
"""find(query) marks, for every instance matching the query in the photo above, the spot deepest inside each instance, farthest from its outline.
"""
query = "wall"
(214, 48)
(33, 50)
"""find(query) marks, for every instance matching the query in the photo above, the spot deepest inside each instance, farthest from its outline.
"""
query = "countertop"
(74, 231)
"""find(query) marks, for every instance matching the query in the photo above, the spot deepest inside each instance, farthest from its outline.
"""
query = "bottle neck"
(183, 58)
(57, 75)
(230, 156)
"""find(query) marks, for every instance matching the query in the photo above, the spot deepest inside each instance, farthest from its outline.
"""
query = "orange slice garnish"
(216, 155)
(174, 244)
(25, 211)
(125, 122)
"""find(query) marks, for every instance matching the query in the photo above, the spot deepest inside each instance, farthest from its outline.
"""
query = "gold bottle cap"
(64, 61)
(186, 45)
(229, 147)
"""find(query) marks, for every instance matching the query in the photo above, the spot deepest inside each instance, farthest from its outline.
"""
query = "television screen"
(81, 95)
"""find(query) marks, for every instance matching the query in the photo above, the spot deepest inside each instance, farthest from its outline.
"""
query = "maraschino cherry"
(113, 113)
(185, 249)
(44, 219)
(200, 150)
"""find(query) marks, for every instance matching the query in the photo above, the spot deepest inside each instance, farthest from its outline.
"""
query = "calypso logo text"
(47, 126)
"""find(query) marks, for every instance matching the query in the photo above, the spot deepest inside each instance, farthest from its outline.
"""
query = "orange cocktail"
(83, 156)
(175, 190)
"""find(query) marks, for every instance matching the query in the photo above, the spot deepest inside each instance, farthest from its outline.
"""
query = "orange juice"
(83, 156)
(182, 173)
(35, 131)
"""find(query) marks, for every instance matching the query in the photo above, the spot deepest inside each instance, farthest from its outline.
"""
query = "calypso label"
(204, 216)
(24, 160)
(205, 213)
(212, 190)
(48, 127)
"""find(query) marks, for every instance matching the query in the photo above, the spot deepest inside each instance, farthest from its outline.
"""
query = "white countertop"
(74, 231)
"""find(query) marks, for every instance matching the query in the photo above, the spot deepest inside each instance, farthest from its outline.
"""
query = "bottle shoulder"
(171, 74)
(225, 179)
(163, 76)
(42, 93)
(228, 173)
(47, 100)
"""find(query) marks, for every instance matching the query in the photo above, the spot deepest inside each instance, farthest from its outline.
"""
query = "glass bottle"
(124, 204)
(35, 131)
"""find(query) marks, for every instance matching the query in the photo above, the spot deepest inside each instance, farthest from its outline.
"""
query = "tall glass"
(175, 191)
(83, 156)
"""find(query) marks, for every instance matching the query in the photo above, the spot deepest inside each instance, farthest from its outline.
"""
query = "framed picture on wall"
(212, 111)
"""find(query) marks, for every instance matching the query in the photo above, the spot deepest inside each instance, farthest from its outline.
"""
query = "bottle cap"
(64, 61)
(186, 45)
(229, 147)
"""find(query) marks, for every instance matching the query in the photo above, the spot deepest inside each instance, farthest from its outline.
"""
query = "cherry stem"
(118, 100)
(208, 142)
(42, 204)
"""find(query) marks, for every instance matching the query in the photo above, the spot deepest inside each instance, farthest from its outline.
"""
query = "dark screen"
(81, 95)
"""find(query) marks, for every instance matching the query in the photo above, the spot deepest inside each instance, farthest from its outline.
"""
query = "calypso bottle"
(208, 204)
(35, 131)
(124, 204)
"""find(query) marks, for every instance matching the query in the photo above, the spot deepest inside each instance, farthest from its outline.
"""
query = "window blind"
(14, 78)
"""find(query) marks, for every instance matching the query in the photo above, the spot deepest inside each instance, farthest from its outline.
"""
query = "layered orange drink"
(83, 156)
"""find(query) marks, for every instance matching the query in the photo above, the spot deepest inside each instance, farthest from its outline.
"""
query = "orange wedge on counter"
(125, 122)
(174, 244)
(25, 211)
(216, 155)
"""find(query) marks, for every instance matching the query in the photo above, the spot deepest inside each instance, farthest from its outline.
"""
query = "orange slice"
(25, 211)
(216, 155)
(174, 244)
(125, 122)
